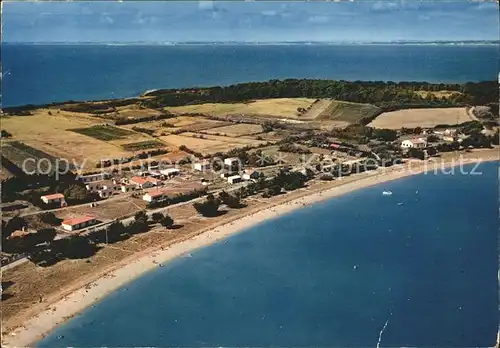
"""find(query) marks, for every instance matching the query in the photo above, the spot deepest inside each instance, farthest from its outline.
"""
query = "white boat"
(387, 193)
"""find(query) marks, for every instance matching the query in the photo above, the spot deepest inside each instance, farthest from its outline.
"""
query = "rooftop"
(139, 180)
(54, 196)
(417, 140)
(174, 190)
(78, 220)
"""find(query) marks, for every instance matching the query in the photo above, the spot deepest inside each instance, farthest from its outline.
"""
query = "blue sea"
(329, 275)
(38, 74)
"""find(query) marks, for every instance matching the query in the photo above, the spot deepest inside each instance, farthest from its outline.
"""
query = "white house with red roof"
(143, 183)
(78, 223)
(160, 194)
(55, 198)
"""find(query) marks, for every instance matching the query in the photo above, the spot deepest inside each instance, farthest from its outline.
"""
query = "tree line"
(43, 249)
(384, 94)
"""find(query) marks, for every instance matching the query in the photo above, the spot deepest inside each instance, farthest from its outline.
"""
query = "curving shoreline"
(96, 289)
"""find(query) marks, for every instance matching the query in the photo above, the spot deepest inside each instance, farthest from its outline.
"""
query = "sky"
(154, 21)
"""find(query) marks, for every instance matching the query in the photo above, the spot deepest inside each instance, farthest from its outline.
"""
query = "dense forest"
(387, 95)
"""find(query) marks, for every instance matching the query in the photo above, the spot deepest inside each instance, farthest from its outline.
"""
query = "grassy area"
(236, 130)
(104, 132)
(143, 145)
(278, 107)
(347, 112)
(51, 132)
(412, 118)
(207, 143)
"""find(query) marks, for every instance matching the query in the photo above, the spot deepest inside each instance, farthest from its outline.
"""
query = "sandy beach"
(96, 289)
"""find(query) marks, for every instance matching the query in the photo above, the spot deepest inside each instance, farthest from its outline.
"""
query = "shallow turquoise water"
(428, 266)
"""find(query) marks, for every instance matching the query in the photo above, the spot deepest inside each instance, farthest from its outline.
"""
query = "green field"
(104, 132)
(348, 112)
(143, 145)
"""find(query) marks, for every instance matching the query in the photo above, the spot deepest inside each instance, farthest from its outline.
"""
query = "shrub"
(231, 200)
(157, 217)
(141, 216)
(209, 207)
(167, 221)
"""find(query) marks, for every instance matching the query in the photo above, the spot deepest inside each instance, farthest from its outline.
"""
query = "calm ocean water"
(428, 266)
(36, 74)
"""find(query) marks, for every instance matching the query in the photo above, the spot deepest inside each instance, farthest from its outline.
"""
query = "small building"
(419, 143)
(78, 223)
(250, 174)
(449, 138)
(302, 170)
(154, 173)
(55, 198)
(111, 186)
(155, 196)
(227, 174)
(144, 183)
(202, 166)
(127, 187)
(447, 131)
(170, 172)
(160, 194)
(94, 186)
(94, 177)
(231, 161)
(105, 193)
(234, 179)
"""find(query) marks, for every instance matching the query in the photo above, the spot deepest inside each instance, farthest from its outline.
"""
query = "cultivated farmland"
(51, 133)
(236, 130)
(208, 144)
(347, 112)
(412, 118)
(104, 132)
(179, 123)
(143, 145)
(278, 107)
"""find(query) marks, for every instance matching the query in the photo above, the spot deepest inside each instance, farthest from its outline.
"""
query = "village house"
(448, 132)
(78, 223)
(251, 174)
(111, 186)
(105, 193)
(94, 186)
(155, 196)
(144, 183)
(232, 162)
(160, 194)
(416, 143)
(234, 179)
(202, 166)
(170, 172)
(94, 177)
(227, 174)
(448, 138)
(127, 187)
(55, 198)
(154, 173)
(302, 170)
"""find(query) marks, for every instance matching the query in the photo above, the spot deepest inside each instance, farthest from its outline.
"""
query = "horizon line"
(258, 42)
